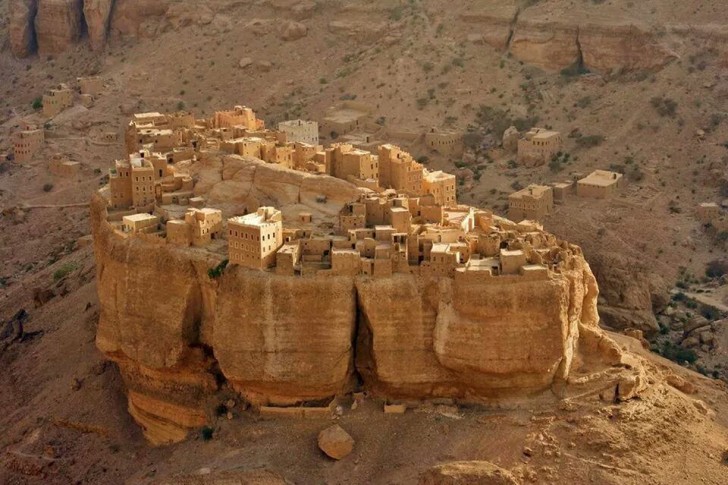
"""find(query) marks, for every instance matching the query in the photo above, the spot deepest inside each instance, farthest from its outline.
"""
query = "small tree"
(37, 103)
(217, 271)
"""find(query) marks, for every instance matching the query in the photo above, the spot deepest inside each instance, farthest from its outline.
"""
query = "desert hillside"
(636, 87)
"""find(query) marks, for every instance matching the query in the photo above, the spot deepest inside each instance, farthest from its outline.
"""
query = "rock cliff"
(21, 26)
(176, 333)
(58, 25)
(98, 15)
(550, 35)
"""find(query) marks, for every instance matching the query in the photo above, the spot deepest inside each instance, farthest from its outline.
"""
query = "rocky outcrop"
(630, 295)
(292, 30)
(622, 47)
(58, 25)
(470, 338)
(550, 46)
(136, 18)
(278, 341)
(176, 332)
(21, 27)
(98, 15)
(468, 473)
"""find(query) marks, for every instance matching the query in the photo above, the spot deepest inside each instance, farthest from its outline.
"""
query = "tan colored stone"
(58, 25)
(98, 15)
(468, 473)
(21, 27)
(335, 442)
(292, 30)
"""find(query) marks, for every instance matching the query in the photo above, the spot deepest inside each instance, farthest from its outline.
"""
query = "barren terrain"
(577, 66)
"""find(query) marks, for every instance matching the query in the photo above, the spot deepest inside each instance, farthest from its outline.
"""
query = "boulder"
(335, 442)
(696, 323)
(98, 15)
(21, 27)
(681, 384)
(690, 342)
(629, 293)
(630, 386)
(292, 30)
(467, 473)
(58, 25)
(245, 62)
(510, 139)
(706, 337)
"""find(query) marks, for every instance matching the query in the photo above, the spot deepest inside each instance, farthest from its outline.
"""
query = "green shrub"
(206, 433)
(64, 271)
(217, 271)
(37, 104)
(589, 141)
(710, 312)
(677, 354)
(716, 268)
(664, 106)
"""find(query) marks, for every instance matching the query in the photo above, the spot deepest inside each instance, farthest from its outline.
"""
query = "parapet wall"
(280, 340)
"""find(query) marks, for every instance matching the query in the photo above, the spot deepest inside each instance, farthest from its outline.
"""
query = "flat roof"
(151, 114)
(511, 252)
(438, 175)
(532, 190)
(140, 217)
(601, 177)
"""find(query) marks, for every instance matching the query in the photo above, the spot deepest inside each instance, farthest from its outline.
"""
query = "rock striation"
(98, 16)
(21, 27)
(58, 25)
(177, 333)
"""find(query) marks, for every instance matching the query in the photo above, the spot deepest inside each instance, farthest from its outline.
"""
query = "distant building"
(441, 186)
(92, 85)
(56, 100)
(254, 239)
(538, 146)
(62, 167)
(238, 116)
(447, 143)
(198, 227)
(300, 131)
(26, 143)
(534, 202)
(137, 223)
(599, 184)
(399, 171)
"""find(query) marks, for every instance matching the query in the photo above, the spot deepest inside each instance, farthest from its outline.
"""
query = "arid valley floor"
(635, 87)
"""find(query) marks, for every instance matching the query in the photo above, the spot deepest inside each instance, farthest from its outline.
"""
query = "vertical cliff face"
(177, 334)
(470, 337)
(22, 26)
(98, 15)
(152, 312)
(58, 25)
(281, 340)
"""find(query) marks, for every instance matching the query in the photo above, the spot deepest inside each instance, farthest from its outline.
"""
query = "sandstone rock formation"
(468, 473)
(291, 30)
(550, 46)
(133, 18)
(630, 297)
(58, 25)
(175, 332)
(98, 15)
(335, 442)
(22, 26)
